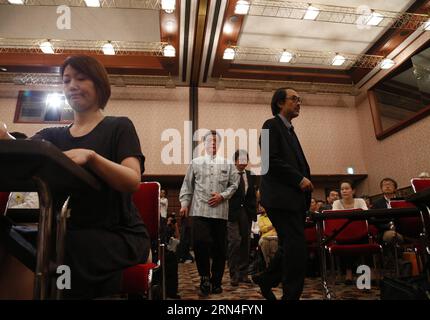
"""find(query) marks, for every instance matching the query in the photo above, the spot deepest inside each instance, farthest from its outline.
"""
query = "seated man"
(386, 232)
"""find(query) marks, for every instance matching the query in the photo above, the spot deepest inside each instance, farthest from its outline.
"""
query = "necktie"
(242, 184)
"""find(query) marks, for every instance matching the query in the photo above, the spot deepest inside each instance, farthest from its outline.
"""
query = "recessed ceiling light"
(3, 69)
(169, 51)
(387, 64)
(92, 3)
(228, 54)
(338, 60)
(311, 13)
(375, 19)
(286, 57)
(242, 7)
(108, 49)
(46, 47)
(170, 26)
(168, 5)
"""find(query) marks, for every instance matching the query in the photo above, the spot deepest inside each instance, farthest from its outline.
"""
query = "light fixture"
(338, 60)
(350, 170)
(311, 13)
(16, 1)
(92, 3)
(427, 25)
(46, 47)
(228, 28)
(170, 26)
(169, 51)
(54, 100)
(286, 57)
(387, 64)
(108, 49)
(3, 69)
(168, 5)
(228, 54)
(374, 19)
(242, 7)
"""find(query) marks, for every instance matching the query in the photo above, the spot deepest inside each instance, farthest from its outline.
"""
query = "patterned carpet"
(189, 281)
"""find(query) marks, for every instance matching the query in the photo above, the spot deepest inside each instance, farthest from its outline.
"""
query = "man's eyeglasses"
(295, 99)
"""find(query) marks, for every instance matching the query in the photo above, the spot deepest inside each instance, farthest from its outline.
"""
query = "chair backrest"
(420, 184)
(311, 234)
(407, 226)
(147, 201)
(4, 198)
(354, 232)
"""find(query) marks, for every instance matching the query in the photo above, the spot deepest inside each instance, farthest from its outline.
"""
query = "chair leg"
(332, 269)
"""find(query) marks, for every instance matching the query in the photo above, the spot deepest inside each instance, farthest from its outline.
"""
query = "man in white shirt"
(210, 181)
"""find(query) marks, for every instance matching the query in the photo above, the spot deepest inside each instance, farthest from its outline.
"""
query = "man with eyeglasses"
(285, 194)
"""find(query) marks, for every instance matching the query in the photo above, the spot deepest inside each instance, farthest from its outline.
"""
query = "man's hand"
(215, 200)
(80, 156)
(306, 185)
(183, 212)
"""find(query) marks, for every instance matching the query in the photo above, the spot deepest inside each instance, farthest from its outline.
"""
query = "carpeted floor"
(189, 281)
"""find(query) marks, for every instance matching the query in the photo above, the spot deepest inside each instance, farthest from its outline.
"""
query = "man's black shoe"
(266, 289)
(205, 287)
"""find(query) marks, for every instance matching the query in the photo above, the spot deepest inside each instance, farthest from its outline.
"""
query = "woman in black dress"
(105, 233)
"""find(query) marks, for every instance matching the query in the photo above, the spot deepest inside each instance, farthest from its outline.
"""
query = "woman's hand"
(80, 156)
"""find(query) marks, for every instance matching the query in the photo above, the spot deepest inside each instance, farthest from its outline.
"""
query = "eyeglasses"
(295, 99)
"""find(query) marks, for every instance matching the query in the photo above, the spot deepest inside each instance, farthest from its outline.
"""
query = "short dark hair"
(279, 96)
(18, 135)
(350, 182)
(388, 179)
(93, 69)
(213, 133)
(240, 152)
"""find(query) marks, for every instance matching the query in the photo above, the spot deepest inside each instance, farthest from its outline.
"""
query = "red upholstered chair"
(353, 240)
(148, 279)
(418, 185)
(4, 198)
(411, 229)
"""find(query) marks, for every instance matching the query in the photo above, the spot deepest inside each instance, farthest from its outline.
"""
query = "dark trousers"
(239, 233)
(183, 250)
(289, 263)
(209, 242)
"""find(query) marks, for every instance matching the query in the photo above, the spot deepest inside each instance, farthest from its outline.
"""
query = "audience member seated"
(268, 239)
(348, 201)
(314, 205)
(332, 197)
(386, 233)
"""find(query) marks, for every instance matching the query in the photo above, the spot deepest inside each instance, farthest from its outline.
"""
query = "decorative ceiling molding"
(302, 57)
(268, 86)
(337, 14)
(117, 4)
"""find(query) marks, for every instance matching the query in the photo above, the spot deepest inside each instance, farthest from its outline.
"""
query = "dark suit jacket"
(249, 202)
(280, 185)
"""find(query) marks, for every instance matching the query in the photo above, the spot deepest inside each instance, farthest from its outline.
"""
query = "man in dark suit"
(285, 194)
(242, 211)
(385, 232)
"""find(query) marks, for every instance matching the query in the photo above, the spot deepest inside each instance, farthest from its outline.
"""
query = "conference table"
(39, 166)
